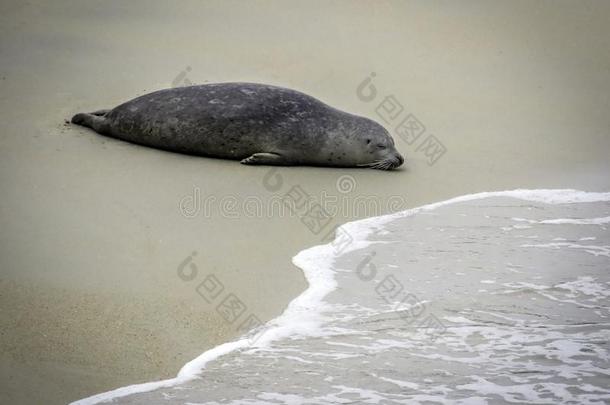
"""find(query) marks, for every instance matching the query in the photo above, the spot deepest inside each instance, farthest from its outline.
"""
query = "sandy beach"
(94, 230)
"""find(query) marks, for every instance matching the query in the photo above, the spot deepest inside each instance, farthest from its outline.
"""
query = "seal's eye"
(368, 141)
(380, 146)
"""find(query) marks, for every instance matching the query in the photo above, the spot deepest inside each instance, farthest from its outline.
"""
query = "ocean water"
(488, 298)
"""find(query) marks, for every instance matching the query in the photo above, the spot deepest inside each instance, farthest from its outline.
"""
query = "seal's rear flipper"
(96, 122)
(264, 159)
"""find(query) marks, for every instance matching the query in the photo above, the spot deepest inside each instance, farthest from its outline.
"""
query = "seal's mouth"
(386, 164)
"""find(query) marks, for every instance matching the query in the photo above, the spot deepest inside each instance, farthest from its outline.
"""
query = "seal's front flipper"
(264, 159)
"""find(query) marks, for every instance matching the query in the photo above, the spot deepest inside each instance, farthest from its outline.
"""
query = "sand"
(92, 230)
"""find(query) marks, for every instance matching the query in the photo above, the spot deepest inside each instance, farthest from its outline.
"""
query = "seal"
(255, 123)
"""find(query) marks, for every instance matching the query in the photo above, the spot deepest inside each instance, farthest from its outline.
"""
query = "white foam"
(401, 384)
(564, 221)
(592, 249)
(305, 314)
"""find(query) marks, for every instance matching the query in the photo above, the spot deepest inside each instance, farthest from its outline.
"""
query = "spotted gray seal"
(254, 123)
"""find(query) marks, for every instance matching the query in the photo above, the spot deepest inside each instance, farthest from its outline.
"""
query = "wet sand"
(92, 230)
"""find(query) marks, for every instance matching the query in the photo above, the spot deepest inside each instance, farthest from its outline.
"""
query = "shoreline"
(316, 263)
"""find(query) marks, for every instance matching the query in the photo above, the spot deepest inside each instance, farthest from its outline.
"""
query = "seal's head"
(375, 145)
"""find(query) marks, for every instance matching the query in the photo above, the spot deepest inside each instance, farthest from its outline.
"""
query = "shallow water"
(488, 299)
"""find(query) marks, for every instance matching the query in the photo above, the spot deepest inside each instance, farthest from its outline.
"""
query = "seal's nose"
(400, 159)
